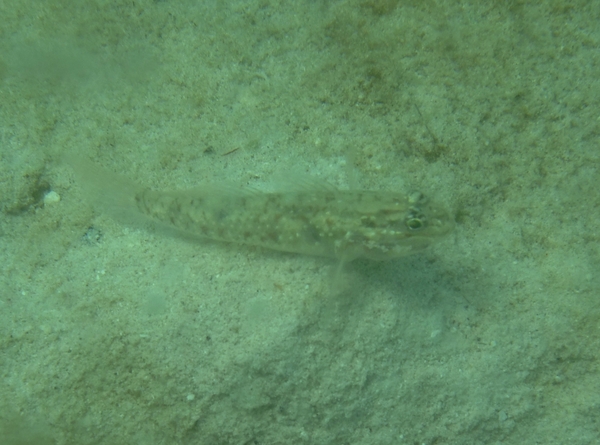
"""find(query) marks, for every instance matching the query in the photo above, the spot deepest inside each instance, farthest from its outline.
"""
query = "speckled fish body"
(319, 220)
(312, 217)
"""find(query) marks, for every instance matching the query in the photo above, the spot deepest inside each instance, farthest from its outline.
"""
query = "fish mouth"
(440, 222)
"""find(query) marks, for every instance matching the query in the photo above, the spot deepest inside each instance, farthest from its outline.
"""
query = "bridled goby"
(312, 217)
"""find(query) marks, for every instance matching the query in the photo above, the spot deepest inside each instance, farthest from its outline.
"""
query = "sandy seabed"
(114, 334)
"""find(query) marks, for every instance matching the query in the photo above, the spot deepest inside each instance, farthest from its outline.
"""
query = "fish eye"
(414, 223)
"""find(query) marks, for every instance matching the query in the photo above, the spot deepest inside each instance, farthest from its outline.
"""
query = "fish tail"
(107, 191)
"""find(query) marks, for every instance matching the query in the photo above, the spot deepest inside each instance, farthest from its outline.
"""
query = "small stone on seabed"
(51, 197)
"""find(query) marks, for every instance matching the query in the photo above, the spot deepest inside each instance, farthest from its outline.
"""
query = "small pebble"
(51, 197)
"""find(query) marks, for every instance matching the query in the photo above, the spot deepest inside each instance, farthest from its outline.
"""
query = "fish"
(310, 217)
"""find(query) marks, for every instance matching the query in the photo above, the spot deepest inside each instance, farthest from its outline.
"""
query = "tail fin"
(107, 191)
